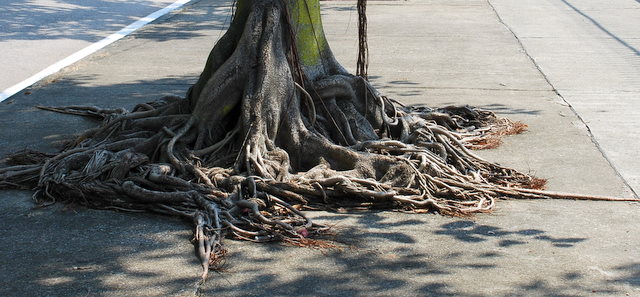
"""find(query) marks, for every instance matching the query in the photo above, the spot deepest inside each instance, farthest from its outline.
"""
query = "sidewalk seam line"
(555, 90)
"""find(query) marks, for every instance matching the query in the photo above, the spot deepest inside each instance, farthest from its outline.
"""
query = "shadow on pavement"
(384, 256)
(92, 20)
(64, 250)
(45, 130)
(469, 231)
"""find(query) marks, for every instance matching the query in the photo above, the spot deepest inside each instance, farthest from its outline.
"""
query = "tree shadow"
(89, 20)
(628, 274)
(70, 251)
(471, 232)
(497, 108)
(64, 250)
(60, 252)
(354, 270)
(47, 130)
(569, 286)
(399, 88)
(206, 17)
(384, 255)
(504, 109)
(75, 252)
(378, 228)
(339, 6)
(377, 263)
(350, 274)
(405, 89)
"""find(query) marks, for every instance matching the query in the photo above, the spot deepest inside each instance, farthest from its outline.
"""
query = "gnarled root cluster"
(257, 140)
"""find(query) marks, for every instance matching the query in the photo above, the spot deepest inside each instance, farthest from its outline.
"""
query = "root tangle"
(259, 139)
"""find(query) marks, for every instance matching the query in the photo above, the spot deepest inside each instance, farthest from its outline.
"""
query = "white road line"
(75, 57)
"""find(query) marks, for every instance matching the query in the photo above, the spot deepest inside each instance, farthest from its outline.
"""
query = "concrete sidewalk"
(444, 52)
(589, 51)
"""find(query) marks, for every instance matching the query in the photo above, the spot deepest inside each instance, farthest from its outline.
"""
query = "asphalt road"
(35, 34)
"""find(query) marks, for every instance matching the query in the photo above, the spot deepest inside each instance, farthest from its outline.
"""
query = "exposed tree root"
(258, 139)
